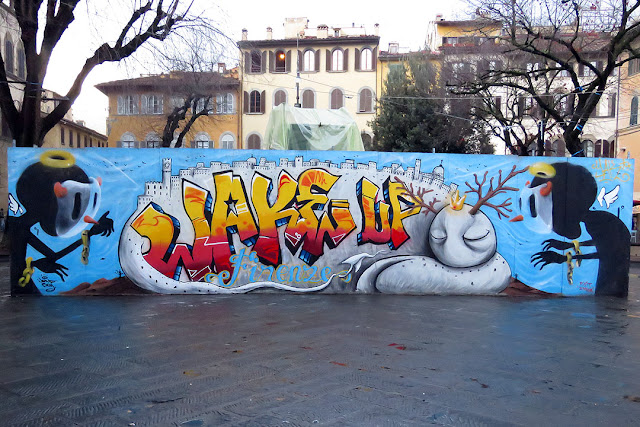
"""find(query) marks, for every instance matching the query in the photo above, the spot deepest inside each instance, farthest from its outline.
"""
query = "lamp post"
(297, 104)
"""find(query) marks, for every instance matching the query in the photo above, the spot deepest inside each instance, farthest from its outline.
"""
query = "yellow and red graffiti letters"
(231, 214)
(382, 220)
(333, 226)
(270, 217)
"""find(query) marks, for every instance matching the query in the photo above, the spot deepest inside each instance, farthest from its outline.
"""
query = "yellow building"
(139, 107)
(337, 69)
(628, 124)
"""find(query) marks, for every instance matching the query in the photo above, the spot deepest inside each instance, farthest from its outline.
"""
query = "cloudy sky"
(404, 22)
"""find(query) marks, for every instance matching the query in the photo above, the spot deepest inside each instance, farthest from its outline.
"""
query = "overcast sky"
(404, 22)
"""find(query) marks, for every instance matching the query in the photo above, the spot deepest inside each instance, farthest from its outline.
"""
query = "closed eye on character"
(474, 237)
(438, 235)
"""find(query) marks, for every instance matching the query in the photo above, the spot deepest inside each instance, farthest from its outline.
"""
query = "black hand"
(47, 266)
(556, 244)
(104, 226)
(547, 257)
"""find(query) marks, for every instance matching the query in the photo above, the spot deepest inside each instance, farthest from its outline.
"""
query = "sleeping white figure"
(463, 242)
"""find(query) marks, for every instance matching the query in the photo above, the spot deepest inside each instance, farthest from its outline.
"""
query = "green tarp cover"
(291, 128)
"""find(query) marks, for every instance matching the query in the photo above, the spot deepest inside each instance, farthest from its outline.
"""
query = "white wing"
(14, 205)
(601, 195)
(611, 196)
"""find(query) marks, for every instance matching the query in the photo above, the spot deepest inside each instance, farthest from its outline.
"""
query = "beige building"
(337, 69)
(139, 107)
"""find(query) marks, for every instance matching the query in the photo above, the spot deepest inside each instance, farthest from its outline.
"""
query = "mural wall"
(95, 221)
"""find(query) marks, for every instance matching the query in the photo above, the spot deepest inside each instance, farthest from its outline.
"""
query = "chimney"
(323, 31)
(439, 17)
(269, 33)
(222, 67)
(245, 34)
(394, 47)
(376, 30)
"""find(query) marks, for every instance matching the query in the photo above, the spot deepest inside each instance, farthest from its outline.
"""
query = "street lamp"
(297, 104)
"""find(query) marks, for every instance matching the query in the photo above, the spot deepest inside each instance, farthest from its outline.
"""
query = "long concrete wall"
(123, 221)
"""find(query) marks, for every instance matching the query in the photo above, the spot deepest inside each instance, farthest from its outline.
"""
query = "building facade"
(139, 109)
(337, 69)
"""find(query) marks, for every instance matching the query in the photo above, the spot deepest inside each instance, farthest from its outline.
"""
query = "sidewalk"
(283, 360)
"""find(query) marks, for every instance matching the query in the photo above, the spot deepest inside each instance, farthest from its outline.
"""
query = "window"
(224, 103)
(151, 104)
(8, 55)
(308, 99)
(203, 103)
(70, 138)
(202, 140)
(279, 97)
(176, 101)
(366, 59)
(256, 61)
(586, 71)
(22, 73)
(337, 99)
(367, 140)
(365, 101)
(633, 120)
(309, 61)
(337, 60)
(128, 140)
(62, 137)
(255, 102)
(228, 142)
(86, 142)
(280, 65)
(589, 148)
(452, 41)
(152, 140)
(563, 72)
(254, 141)
(127, 105)
(634, 66)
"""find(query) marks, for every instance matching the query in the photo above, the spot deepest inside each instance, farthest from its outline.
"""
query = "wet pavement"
(284, 360)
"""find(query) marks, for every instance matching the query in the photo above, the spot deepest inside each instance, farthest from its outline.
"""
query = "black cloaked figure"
(573, 190)
(60, 197)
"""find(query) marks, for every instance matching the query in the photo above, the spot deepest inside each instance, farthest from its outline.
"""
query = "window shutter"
(245, 103)
(317, 54)
(263, 63)
(230, 106)
(329, 58)
(345, 60)
(271, 62)
(374, 55)
(287, 61)
(262, 102)
(144, 106)
(498, 103)
(120, 105)
(612, 105)
(581, 70)
(299, 60)
(357, 68)
(247, 62)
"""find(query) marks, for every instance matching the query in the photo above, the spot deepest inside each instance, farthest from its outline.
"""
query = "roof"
(85, 129)
(386, 56)
(175, 81)
(310, 40)
(469, 22)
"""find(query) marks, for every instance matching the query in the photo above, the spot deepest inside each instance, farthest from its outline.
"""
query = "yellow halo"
(57, 159)
(456, 201)
(542, 170)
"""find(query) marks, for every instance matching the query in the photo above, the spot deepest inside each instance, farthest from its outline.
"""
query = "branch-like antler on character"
(418, 197)
(500, 188)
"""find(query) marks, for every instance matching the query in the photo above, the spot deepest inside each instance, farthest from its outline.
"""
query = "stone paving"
(285, 360)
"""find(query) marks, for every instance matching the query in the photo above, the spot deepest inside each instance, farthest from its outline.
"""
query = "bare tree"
(560, 54)
(42, 25)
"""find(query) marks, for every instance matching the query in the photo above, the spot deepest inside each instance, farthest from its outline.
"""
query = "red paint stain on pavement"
(339, 364)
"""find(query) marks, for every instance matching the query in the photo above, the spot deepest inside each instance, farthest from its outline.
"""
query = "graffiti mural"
(96, 221)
